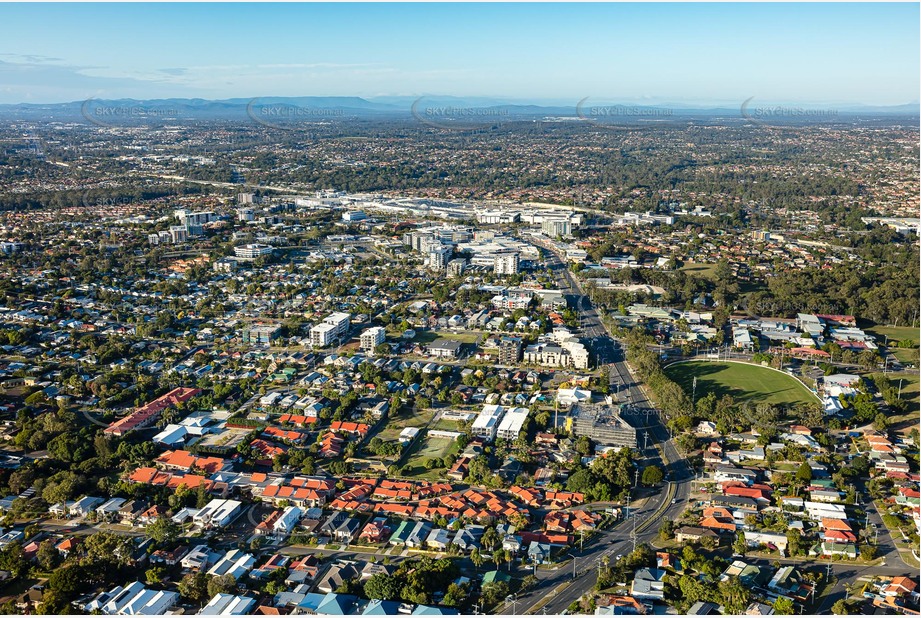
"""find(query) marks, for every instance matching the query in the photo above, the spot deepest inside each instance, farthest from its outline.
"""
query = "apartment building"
(512, 422)
(333, 327)
(506, 262)
(371, 338)
(456, 267)
(509, 350)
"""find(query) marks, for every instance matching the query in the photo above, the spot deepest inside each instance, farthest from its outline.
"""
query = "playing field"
(894, 333)
(406, 418)
(428, 448)
(910, 387)
(742, 381)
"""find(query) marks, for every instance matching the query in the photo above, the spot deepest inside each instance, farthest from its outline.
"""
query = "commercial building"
(506, 262)
(333, 327)
(602, 423)
(371, 338)
(260, 334)
(251, 251)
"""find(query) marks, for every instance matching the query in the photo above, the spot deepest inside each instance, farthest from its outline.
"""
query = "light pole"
(633, 534)
(573, 564)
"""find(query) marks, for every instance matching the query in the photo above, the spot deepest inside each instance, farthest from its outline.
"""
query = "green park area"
(743, 381)
(895, 334)
(425, 449)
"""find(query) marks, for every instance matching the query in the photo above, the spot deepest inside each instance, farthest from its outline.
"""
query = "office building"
(261, 334)
(251, 251)
(602, 423)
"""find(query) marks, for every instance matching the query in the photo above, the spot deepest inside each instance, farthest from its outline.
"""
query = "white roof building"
(487, 422)
(235, 563)
(289, 519)
(133, 600)
(570, 396)
(512, 422)
(228, 605)
(218, 513)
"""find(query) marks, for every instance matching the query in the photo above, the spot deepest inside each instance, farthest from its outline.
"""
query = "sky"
(655, 53)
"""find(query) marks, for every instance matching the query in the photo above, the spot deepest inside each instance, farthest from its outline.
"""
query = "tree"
(667, 530)
(739, 545)
(736, 596)
(794, 542)
(652, 475)
(163, 530)
(583, 446)
(868, 552)
(47, 555)
(383, 587)
(194, 587)
(155, 575)
(804, 473)
(784, 607)
(477, 559)
(840, 608)
(221, 584)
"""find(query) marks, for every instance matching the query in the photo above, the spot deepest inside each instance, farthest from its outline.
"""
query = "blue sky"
(809, 54)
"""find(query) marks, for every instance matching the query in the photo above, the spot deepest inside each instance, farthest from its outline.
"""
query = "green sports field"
(742, 381)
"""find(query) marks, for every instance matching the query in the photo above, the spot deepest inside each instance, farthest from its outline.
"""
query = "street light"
(514, 601)
(573, 564)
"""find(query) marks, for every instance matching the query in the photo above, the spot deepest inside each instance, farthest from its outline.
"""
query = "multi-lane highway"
(557, 589)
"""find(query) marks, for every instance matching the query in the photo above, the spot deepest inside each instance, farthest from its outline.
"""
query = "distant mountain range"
(436, 108)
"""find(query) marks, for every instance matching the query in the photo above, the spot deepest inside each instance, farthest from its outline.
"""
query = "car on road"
(674, 500)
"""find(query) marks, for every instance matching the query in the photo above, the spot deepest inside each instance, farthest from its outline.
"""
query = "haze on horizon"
(696, 54)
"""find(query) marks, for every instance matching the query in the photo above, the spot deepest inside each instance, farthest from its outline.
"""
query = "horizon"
(704, 55)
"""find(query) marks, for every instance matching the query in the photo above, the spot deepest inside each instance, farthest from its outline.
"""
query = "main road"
(557, 589)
